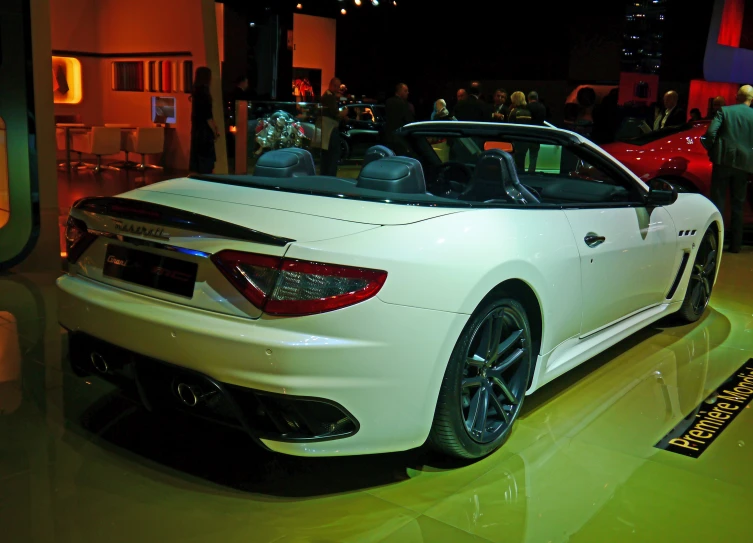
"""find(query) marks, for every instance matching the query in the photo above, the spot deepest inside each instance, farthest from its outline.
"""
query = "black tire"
(701, 280)
(475, 384)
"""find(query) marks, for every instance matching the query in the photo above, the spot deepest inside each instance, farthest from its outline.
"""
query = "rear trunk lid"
(158, 241)
(247, 201)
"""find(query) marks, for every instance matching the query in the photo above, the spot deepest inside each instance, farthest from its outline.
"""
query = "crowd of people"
(729, 138)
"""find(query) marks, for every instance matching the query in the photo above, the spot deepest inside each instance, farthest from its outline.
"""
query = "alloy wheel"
(495, 374)
(702, 276)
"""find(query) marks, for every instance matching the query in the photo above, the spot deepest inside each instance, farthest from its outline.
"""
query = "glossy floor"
(80, 463)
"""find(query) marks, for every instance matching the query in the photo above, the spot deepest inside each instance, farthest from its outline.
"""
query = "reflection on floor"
(78, 462)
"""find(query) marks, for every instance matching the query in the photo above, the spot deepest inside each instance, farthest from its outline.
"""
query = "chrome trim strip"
(149, 243)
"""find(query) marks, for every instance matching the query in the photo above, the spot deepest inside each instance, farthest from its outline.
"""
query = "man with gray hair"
(729, 140)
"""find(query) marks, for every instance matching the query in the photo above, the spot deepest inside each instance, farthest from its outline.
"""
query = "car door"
(627, 257)
(627, 251)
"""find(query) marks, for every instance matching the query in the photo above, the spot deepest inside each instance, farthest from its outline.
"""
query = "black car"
(363, 128)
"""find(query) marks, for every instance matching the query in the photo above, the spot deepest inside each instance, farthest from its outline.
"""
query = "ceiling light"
(300, 6)
(357, 2)
(343, 11)
(374, 2)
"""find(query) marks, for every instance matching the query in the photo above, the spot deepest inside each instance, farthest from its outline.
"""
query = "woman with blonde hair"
(519, 112)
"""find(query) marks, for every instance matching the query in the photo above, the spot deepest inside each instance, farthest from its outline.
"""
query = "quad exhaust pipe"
(192, 395)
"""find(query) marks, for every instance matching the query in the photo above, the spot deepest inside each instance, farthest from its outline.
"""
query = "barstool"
(147, 141)
(62, 131)
(99, 141)
(125, 134)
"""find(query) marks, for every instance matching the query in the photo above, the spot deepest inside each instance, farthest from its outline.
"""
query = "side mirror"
(661, 193)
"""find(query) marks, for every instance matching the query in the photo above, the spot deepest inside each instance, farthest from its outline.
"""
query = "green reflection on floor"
(79, 463)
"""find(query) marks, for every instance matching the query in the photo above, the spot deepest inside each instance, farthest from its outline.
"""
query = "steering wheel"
(444, 183)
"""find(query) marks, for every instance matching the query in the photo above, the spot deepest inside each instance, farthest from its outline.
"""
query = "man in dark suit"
(473, 108)
(672, 114)
(729, 140)
(332, 116)
(399, 113)
(538, 116)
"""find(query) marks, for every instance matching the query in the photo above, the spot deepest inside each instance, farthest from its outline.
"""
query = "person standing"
(331, 117)
(203, 128)
(729, 140)
(538, 117)
(472, 108)
(500, 108)
(716, 104)
(399, 113)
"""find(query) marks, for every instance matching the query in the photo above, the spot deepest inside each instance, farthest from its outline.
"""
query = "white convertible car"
(419, 302)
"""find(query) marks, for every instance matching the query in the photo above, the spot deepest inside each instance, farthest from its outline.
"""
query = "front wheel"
(701, 281)
(485, 382)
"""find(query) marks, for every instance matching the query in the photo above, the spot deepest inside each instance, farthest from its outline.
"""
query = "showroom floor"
(79, 463)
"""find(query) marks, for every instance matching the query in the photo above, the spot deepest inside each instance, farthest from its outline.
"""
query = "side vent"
(676, 283)
(685, 233)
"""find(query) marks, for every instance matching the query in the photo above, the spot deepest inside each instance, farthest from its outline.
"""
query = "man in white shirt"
(671, 115)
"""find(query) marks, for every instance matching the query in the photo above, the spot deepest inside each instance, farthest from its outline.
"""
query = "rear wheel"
(485, 382)
(701, 280)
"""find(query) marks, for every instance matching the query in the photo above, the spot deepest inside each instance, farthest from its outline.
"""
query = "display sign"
(699, 430)
(66, 80)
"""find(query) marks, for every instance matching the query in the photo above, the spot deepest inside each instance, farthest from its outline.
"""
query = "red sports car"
(677, 155)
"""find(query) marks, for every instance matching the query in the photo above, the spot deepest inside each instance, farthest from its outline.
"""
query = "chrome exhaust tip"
(99, 362)
(189, 394)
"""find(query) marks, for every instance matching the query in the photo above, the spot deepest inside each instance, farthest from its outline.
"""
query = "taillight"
(77, 239)
(282, 286)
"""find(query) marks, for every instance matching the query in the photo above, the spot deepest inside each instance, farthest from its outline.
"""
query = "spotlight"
(343, 11)
(299, 6)
(374, 2)
(357, 2)
(394, 2)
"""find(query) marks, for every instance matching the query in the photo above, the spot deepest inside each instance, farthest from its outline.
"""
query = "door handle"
(592, 239)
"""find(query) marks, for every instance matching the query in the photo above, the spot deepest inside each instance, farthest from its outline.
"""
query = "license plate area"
(150, 270)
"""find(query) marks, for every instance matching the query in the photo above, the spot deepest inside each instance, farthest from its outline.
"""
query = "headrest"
(496, 167)
(289, 162)
(493, 163)
(399, 174)
(376, 152)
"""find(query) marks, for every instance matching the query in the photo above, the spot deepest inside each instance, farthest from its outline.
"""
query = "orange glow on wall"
(731, 26)
(702, 92)
(66, 80)
(314, 47)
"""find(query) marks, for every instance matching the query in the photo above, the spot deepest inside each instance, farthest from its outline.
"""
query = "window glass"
(555, 174)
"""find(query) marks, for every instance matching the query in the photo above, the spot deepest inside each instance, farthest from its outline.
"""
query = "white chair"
(146, 141)
(61, 132)
(100, 141)
(124, 135)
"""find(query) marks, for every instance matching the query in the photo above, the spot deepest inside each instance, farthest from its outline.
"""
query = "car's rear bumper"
(383, 367)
